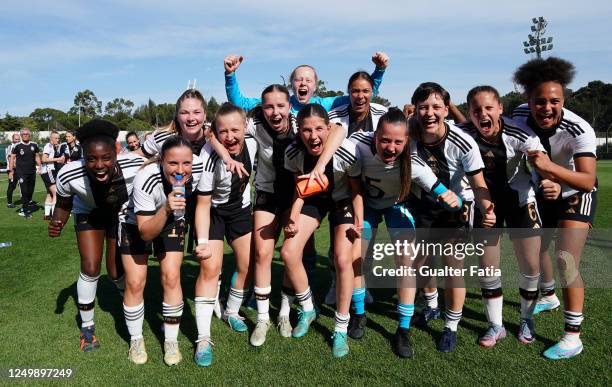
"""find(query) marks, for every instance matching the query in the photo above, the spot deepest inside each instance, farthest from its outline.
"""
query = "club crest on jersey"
(432, 162)
(489, 160)
(32, 148)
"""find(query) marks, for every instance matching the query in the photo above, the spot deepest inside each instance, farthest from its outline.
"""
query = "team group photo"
(295, 234)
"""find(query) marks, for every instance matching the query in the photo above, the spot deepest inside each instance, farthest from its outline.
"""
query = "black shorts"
(171, 239)
(275, 203)
(97, 220)
(341, 213)
(317, 207)
(580, 207)
(522, 221)
(440, 217)
(231, 224)
(49, 178)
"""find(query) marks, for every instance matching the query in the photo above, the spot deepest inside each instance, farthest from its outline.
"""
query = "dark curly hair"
(97, 131)
(532, 74)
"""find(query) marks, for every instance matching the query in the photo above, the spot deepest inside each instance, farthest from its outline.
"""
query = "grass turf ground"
(38, 328)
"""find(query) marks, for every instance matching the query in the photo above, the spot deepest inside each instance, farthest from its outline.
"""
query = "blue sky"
(141, 49)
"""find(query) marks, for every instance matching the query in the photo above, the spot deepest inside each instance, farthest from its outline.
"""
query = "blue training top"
(232, 90)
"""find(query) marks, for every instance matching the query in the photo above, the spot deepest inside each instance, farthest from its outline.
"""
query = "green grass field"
(38, 328)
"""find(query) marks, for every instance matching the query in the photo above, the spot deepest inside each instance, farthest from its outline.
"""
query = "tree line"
(592, 102)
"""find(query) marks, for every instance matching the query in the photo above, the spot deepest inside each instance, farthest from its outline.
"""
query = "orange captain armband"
(313, 188)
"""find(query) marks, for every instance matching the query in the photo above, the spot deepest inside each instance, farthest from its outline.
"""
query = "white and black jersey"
(271, 175)
(227, 189)
(342, 166)
(153, 144)
(572, 138)
(505, 162)
(151, 189)
(381, 180)
(73, 181)
(72, 152)
(451, 158)
(342, 115)
(9, 152)
(51, 151)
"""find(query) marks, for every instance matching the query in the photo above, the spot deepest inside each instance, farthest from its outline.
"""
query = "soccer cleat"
(258, 337)
(203, 353)
(236, 322)
(21, 212)
(448, 341)
(357, 326)
(401, 343)
(89, 342)
(493, 334)
(526, 334)
(426, 315)
(368, 297)
(10, 205)
(563, 349)
(330, 297)
(284, 326)
(340, 346)
(137, 353)
(546, 304)
(172, 355)
(304, 321)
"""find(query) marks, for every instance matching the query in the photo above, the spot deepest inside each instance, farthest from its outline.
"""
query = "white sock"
(341, 322)
(492, 299)
(48, 209)
(569, 340)
(528, 290)
(287, 297)
(203, 312)
(134, 317)
(262, 297)
(431, 299)
(234, 301)
(86, 295)
(172, 320)
(451, 319)
(305, 300)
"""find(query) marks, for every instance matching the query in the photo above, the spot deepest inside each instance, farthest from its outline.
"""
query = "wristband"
(202, 241)
(439, 189)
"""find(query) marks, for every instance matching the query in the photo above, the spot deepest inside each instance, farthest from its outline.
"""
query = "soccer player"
(387, 171)
(223, 211)
(133, 142)
(452, 155)
(503, 144)
(274, 128)
(304, 83)
(12, 182)
(71, 149)
(360, 115)
(50, 157)
(570, 161)
(96, 189)
(188, 123)
(342, 201)
(26, 163)
(156, 217)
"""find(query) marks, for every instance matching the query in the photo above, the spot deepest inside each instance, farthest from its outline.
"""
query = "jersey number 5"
(373, 191)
